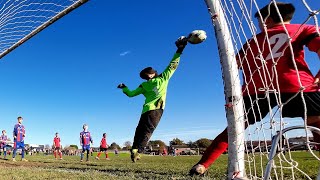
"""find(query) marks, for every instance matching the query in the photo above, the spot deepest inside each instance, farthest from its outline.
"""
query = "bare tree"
(127, 145)
(47, 146)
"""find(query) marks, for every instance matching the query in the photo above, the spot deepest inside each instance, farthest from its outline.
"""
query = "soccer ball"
(197, 36)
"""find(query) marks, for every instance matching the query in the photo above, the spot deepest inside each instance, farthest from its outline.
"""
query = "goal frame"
(232, 90)
(43, 26)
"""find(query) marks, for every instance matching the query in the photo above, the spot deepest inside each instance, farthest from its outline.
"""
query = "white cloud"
(125, 53)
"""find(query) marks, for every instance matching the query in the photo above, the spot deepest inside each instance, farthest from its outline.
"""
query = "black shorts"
(57, 148)
(291, 107)
(103, 149)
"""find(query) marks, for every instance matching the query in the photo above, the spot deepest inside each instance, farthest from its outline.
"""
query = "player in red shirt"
(103, 147)
(288, 82)
(57, 146)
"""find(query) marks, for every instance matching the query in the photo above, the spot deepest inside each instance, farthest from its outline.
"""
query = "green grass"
(121, 167)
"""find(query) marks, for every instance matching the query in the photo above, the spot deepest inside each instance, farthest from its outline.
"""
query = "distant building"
(182, 150)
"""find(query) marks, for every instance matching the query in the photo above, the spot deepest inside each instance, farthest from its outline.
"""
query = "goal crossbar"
(43, 26)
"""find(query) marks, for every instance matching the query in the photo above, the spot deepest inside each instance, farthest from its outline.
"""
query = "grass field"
(149, 167)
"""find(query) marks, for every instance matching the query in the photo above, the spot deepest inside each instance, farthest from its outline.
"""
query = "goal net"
(272, 146)
(22, 19)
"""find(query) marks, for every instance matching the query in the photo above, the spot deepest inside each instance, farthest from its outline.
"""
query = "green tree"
(74, 146)
(190, 144)
(176, 141)
(114, 146)
(202, 143)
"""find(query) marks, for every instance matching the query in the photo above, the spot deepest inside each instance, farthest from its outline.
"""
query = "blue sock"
(14, 153)
(22, 153)
(87, 155)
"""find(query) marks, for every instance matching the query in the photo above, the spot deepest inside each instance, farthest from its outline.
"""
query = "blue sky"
(67, 75)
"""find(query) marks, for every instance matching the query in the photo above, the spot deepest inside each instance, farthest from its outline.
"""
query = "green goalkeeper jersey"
(155, 90)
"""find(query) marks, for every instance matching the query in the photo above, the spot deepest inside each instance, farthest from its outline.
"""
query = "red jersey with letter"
(259, 71)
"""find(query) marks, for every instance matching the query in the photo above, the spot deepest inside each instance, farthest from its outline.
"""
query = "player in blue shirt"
(19, 134)
(85, 140)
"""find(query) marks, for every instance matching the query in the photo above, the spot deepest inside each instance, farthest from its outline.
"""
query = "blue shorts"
(86, 147)
(18, 145)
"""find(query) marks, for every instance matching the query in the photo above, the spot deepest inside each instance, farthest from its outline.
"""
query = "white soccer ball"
(197, 36)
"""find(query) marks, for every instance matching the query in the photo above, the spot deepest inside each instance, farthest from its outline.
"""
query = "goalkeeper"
(288, 79)
(155, 91)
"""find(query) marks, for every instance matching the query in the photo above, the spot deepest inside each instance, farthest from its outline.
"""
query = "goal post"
(275, 143)
(232, 91)
(21, 20)
(263, 150)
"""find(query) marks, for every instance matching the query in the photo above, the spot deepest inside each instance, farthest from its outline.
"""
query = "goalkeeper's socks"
(218, 146)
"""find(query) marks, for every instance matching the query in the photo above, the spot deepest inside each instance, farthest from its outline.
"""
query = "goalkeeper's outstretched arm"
(130, 93)
(173, 65)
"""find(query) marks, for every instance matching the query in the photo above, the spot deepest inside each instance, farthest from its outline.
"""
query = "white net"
(261, 60)
(22, 19)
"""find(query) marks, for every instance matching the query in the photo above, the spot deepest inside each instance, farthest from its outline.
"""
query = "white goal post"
(21, 20)
(263, 150)
(232, 91)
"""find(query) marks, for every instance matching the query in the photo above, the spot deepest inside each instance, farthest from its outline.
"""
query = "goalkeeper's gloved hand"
(181, 43)
(121, 86)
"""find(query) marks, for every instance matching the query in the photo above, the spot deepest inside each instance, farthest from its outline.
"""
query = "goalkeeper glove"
(121, 86)
(181, 43)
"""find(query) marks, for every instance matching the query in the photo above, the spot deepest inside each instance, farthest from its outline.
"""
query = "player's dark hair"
(3, 131)
(149, 70)
(104, 134)
(19, 117)
(286, 10)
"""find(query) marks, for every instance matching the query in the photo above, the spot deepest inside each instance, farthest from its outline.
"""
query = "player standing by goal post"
(279, 62)
(155, 91)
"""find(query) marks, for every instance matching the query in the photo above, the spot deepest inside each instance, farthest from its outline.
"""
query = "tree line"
(200, 143)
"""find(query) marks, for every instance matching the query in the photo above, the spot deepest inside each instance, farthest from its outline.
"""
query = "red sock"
(107, 155)
(217, 147)
(60, 154)
(99, 154)
(55, 154)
